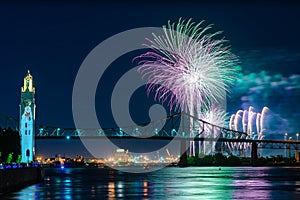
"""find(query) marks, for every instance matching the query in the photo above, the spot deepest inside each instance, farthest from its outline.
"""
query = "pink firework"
(187, 67)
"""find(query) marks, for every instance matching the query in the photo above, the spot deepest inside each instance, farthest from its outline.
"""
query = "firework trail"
(251, 114)
(244, 121)
(188, 68)
(262, 120)
(258, 128)
(237, 119)
(231, 122)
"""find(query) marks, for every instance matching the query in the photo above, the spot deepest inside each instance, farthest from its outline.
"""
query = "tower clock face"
(27, 102)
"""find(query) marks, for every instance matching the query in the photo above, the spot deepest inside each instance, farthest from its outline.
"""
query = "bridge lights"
(173, 132)
(137, 132)
(297, 135)
(41, 131)
(121, 132)
(57, 131)
(68, 137)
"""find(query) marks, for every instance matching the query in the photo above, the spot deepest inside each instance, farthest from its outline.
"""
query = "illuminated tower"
(27, 119)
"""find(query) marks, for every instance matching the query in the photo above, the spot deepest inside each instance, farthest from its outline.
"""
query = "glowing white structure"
(27, 120)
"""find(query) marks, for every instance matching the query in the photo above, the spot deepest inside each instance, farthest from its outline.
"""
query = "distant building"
(27, 120)
(120, 155)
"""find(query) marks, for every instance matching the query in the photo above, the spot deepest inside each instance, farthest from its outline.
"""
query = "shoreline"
(175, 166)
(17, 178)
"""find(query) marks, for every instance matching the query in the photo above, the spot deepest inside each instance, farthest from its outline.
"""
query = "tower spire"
(28, 83)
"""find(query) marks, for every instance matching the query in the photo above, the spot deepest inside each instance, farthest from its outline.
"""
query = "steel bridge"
(176, 126)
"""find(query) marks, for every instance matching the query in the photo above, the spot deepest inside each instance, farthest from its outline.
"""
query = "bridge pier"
(254, 153)
(183, 154)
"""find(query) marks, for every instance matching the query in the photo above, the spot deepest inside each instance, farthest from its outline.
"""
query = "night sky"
(52, 40)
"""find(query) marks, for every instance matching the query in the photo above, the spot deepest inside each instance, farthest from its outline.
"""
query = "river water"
(168, 183)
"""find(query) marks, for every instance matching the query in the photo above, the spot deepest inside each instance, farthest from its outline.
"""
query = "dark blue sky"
(52, 40)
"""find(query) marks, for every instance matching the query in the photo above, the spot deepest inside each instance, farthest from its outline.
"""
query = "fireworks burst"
(217, 117)
(247, 119)
(249, 122)
(187, 67)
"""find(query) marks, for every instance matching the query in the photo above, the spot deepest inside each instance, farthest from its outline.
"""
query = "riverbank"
(221, 160)
(16, 178)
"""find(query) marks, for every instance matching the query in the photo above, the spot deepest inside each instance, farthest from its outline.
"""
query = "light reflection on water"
(168, 183)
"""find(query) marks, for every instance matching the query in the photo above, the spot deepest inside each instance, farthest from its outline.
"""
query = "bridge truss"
(175, 126)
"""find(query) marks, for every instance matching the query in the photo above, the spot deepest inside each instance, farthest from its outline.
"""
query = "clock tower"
(27, 120)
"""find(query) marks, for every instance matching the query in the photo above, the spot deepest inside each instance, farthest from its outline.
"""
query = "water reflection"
(170, 183)
(120, 189)
(253, 186)
(145, 190)
(111, 190)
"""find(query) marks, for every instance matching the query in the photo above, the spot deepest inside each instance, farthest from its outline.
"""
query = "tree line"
(10, 146)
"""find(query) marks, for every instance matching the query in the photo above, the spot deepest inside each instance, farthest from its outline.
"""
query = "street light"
(290, 138)
(297, 151)
(285, 137)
